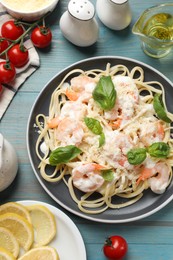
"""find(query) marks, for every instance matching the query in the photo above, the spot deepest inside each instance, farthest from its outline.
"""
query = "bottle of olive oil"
(160, 26)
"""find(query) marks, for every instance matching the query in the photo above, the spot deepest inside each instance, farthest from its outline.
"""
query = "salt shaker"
(78, 24)
(115, 14)
(8, 163)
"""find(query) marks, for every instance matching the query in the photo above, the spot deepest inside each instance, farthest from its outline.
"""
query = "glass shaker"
(115, 14)
(78, 24)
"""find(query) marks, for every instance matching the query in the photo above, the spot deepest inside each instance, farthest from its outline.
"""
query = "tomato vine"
(12, 48)
(31, 26)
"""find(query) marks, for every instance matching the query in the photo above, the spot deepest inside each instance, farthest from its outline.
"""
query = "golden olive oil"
(160, 26)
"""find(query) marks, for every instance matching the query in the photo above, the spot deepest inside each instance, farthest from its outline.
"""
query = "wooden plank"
(148, 239)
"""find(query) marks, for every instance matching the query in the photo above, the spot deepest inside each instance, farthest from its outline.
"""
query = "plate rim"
(81, 214)
(66, 219)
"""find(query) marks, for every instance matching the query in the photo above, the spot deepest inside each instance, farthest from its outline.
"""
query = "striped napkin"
(23, 73)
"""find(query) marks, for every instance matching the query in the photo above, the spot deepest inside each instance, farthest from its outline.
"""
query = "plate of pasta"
(99, 139)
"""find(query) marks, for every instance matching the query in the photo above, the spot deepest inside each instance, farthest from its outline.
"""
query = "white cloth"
(21, 74)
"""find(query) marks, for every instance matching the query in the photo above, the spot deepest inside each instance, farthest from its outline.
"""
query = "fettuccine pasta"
(107, 135)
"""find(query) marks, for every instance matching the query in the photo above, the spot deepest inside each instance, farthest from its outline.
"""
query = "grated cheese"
(30, 5)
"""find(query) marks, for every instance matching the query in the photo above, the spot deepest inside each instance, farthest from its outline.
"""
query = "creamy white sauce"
(43, 148)
(29, 5)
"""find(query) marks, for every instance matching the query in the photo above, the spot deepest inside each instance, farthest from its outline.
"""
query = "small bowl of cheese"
(29, 10)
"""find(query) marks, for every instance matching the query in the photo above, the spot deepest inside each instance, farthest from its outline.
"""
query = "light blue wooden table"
(150, 238)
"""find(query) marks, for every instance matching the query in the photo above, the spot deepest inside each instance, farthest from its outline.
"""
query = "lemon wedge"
(8, 241)
(5, 254)
(41, 253)
(20, 227)
(14, 207)
(44, 224)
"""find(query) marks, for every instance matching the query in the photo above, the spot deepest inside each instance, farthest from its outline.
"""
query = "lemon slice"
(5, 254)
(41, 253)
(44, 224)
(8, 241)
(14, 207)
(20, 227)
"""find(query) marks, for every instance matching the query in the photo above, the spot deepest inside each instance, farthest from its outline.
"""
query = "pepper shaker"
(78, 24)
(115, 14)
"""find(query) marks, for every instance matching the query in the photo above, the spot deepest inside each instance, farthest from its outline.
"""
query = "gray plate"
(150, 202)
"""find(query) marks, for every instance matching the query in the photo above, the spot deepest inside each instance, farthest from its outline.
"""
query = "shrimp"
(116, 124)
(80, 82)
(71, 94)
(82, 87)
(53, 123)
(125, 86)
(87, 177)
(158, 177)
(127, 98)
(154, 132)
(115, 149)
(74, 110)
(145, 174)
(159, 183)
(69, 132)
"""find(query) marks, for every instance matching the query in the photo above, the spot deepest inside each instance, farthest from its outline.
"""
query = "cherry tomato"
(115, 248)
(18, 55)
(7, 72)
(41, 36)
(3, 46)
(11, 30)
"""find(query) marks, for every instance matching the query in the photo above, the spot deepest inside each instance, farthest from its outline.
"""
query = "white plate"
(68, 242)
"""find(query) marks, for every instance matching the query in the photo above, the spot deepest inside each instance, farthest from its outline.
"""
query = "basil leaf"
(159, 150)
(136, 156)
(63, 154)
(159, 108)
(108, 175)
(105, 93)
(96, 128)
(93, 125)
(101, 139)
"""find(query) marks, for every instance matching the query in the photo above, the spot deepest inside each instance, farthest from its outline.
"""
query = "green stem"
(24, 23)
(24, 34)
(2, 39)
(43, 23)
